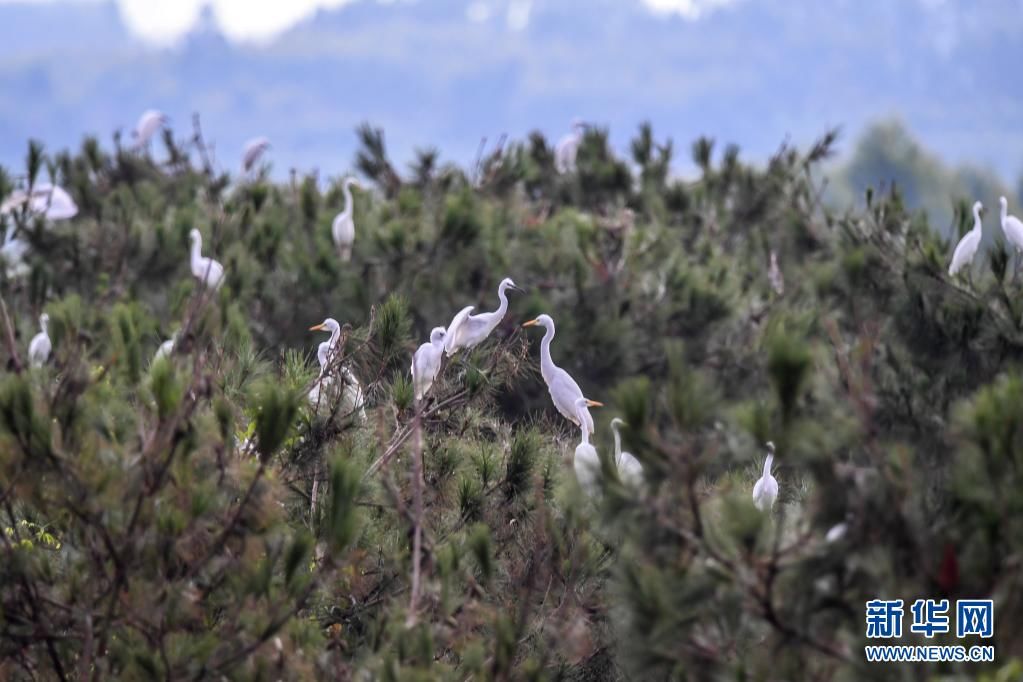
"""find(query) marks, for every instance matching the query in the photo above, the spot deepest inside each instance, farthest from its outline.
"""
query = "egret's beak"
(593, 403)
(516, 287)
(531, 323)
(318, 328)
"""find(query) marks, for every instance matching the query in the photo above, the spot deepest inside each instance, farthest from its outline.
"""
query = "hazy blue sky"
(449, 72)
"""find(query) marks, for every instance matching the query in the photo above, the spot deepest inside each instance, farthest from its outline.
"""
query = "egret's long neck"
(43, 325)
(618, 442)
(196, 254)
(767, 465)
(1005, 212)
(349, 207)
(321, 355)
(547, 365)
(503, 308)
(977, 225)
(581, 416)
(334, 336)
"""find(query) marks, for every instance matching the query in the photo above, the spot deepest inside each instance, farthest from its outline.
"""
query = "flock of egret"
(967, 247)
(465, 330)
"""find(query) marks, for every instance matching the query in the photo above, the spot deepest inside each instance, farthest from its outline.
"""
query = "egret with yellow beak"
(565, 392)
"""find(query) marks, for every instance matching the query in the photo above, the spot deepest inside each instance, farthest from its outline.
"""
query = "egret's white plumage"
(426, 362)
(149, 123)
(166, 348)
(629, 468)
(467, 330)
(765, 491)
(206, 270)
(40, 346)
(1011, 226)
(586, 462)
(343, 227)
(568, 146)
(253, 152)
(967, 247)
(49, 200)
(565, 392)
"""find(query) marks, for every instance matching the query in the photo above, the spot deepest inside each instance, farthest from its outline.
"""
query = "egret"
(253, 152)
(343, 227)
(567, 147)
(629, 468)
(967, 247)
(206, 270)
(466, 330)
(166, 348)
(765, 491)
(586, 462)
(1013, 229)
(149, 123)
(39, 348)
(352, 397)
(426, 362)
(49, 200)
(565, 392)
(836, 532)
(323, 356)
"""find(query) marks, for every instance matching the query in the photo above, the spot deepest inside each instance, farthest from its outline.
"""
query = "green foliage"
(193, 521)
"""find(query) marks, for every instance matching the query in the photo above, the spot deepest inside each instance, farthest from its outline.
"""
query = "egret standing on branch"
(565, 392)
(253, 152)
(765, 491)
(466, 331)
(1013, 229)
(568, 146)
(149, 123)
(206, 270)
(629, 468)
(39, 348)
(586, 462)
(967, 247)
(352, 398)
(343, 227)
(426, 362)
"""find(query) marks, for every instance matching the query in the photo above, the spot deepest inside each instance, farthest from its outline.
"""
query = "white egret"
(1012, 227)
(206, 270)
(40, 346)
(253, 152)
(343, 227)
(565, 392)
(765, 491)
(967, 247)
(352, 398)
(466, 330)
(426, 362)
(568, 146)
(836, 532)
(629, 468)
(149, 123)
(166, 348)
(49, 200)
(586, 462)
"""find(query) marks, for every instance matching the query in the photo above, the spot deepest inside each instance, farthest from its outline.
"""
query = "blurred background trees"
(194, 517)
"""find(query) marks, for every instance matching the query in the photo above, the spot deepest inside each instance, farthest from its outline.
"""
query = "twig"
(12, 347)
(417, 515)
